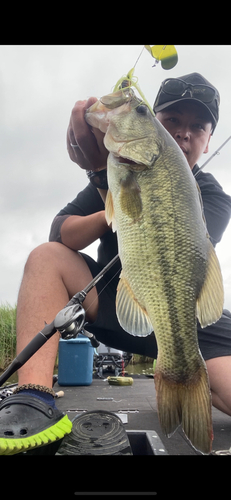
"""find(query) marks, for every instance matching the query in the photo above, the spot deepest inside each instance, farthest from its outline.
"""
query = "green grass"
(8, 337)
(7, 334)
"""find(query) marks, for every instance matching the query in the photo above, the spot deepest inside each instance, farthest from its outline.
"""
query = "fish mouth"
(124, 161)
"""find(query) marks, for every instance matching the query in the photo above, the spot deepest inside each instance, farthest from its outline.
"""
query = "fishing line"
(101, 291)
(139, 57)
(214, 154)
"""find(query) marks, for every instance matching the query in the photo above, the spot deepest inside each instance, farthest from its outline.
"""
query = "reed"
(7, 334)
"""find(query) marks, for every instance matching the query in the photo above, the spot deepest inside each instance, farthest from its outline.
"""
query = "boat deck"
(137, 405)
(162, 477)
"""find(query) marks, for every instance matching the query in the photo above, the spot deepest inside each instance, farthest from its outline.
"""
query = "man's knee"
(54, 264)
(53, 257)
(42, 256)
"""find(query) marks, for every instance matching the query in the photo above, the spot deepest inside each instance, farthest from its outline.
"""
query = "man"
(188, 107)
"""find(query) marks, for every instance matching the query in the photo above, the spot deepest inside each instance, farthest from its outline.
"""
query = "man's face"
(190, 125)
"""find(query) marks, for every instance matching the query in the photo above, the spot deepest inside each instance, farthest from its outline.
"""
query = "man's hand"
(91, 153)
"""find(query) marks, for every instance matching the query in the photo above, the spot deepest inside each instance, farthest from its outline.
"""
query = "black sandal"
(26, 422)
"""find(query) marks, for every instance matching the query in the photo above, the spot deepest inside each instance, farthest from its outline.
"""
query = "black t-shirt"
(216, 203)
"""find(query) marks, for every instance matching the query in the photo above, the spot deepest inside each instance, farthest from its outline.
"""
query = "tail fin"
(187, 404)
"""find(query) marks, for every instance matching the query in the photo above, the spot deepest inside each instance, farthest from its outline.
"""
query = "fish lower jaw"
(123, 160)
(128, 162)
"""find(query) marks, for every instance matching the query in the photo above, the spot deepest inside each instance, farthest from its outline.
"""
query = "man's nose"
(183, 134)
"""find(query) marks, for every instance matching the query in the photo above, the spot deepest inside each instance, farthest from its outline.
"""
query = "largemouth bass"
(170, 273)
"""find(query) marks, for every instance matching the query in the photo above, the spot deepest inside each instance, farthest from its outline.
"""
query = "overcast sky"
(38, 88)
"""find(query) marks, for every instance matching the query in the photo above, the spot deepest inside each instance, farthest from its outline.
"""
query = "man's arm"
(77, 232)
(82, 221)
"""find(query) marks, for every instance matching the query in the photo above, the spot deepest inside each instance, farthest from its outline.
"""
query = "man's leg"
(219, 370)
(53, 274)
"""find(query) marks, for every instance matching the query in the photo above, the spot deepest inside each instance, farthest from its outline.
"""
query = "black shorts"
(214, 340)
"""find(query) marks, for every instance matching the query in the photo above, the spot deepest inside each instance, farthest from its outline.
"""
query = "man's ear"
(207, 147)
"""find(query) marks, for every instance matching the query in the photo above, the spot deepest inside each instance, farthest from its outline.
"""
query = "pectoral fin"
(109, 211)
(131, 315)
(211, 298)
(130, 199)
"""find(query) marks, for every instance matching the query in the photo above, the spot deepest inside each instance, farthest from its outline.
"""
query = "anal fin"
(131, 315)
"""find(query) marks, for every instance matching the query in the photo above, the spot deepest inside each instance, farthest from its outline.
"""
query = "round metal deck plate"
(96, 433)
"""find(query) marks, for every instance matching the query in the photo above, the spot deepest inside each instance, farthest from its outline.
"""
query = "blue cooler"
(75, 361)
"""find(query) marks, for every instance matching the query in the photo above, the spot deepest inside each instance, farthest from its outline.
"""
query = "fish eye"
(142, 109)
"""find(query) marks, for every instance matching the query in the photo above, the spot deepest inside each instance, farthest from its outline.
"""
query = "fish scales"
(158, 238)
(169, 267)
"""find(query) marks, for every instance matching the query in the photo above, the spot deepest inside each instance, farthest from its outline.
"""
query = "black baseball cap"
(189, 87)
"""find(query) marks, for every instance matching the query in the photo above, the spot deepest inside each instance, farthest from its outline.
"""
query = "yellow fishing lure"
(167, 54)
(131, 81)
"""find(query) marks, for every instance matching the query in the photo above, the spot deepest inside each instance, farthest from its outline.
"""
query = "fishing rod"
(214, 154)
(69, 322)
